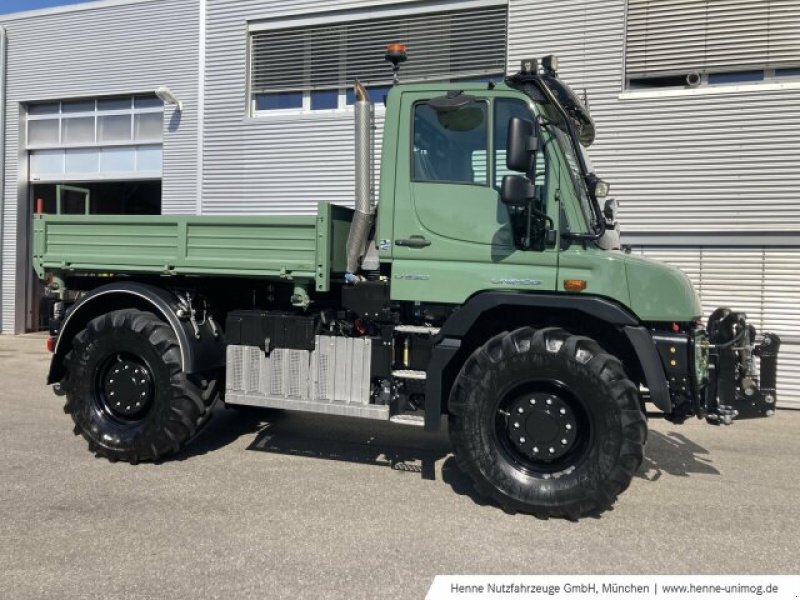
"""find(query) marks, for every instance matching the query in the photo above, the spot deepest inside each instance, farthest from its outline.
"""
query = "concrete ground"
(295, 506)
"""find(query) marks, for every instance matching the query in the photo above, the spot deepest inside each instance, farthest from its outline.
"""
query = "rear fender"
(199, 353)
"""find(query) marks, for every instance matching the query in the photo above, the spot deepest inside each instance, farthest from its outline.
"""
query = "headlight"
(700, 350)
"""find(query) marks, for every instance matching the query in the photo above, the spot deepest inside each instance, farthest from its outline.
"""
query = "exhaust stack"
(365, 185)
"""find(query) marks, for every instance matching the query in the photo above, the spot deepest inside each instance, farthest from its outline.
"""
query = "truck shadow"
(671, 454)
(674, 454)
(406, 449)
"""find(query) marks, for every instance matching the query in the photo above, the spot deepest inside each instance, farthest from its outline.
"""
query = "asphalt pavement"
(286, 505)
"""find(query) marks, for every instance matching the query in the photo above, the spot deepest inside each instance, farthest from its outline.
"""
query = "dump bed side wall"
(300, 247)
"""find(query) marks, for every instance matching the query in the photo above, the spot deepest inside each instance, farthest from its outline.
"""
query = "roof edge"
(67, 8)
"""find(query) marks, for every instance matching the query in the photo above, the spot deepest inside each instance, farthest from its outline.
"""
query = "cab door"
(452, 235)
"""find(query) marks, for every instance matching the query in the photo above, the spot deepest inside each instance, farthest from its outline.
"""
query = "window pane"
(325, 100)
(448, 145)
(737, 77)
(149, 159)
(787, 72)
(378, 93)
(279, 101)
(147, 102)
(44, 109)
(46, 162)
(114, 128)
(82, 161)
(78, 130)
(118, 160)
(504, 111)
(75, 107)
(43, 133)
(114, 104)
(148, 126)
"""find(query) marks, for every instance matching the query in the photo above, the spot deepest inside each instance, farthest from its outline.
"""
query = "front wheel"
(126, 390)
(547, 423)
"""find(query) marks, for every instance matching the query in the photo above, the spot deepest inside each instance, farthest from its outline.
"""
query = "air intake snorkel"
(541, 87)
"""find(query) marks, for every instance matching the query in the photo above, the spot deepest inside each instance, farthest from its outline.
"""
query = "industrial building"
(226, 107)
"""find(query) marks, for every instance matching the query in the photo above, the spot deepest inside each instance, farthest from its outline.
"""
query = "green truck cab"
(480, 280)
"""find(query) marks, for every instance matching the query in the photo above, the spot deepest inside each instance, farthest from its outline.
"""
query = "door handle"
(415, 241)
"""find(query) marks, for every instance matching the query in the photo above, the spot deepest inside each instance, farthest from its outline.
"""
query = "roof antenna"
(396, 54)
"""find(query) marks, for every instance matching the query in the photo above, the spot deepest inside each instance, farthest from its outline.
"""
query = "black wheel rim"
(542, 428)
(124, 387)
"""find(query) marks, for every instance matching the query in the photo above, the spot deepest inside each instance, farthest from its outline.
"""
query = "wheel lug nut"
(535, 449)
(143, 394)
(563, 411)
(552, 450)
(522, 440)
(568, 426)
(516, 424)
(533, 400)
(564, 441)
(520, 410)
(549, 401)
(111, 393)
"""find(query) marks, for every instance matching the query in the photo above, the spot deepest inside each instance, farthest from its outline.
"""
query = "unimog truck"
(479, 282)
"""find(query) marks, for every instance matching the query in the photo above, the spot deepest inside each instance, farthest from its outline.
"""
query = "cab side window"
(451, 146)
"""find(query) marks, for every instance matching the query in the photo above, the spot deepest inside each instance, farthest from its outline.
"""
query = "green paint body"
(469, 229)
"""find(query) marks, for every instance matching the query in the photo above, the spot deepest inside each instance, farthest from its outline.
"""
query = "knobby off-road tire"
(547, 423)
(126, 390)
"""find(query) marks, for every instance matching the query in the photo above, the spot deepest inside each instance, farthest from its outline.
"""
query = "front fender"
(447, 348)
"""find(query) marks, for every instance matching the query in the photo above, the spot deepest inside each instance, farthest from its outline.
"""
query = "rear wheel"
(547, 423)
(126, 391)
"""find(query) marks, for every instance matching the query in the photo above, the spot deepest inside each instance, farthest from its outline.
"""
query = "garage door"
(759, 281)
(117, 139)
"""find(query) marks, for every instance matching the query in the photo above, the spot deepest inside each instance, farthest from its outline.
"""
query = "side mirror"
(523, 142)
(517, 191)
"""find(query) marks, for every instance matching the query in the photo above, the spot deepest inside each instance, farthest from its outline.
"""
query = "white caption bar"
(630, 587)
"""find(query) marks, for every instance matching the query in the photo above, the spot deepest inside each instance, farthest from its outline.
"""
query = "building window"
(710, 42)
(313, 67)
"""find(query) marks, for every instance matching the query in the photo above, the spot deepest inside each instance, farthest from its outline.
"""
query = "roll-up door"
(117, 139)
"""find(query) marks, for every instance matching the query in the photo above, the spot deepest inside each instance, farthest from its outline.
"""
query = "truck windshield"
(575, 175)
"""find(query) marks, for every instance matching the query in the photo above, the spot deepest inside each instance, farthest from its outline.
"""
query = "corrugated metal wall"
(689, 163)
(269, 165)
(91, 52)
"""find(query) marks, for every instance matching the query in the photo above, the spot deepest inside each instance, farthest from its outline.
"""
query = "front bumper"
(734, 389)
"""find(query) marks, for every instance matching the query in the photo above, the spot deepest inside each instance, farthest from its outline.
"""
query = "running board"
(414, 420)
(408, 374)
(341, 409)
(417, 329)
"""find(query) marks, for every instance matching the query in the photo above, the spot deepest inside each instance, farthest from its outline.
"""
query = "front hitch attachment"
(735, 390)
